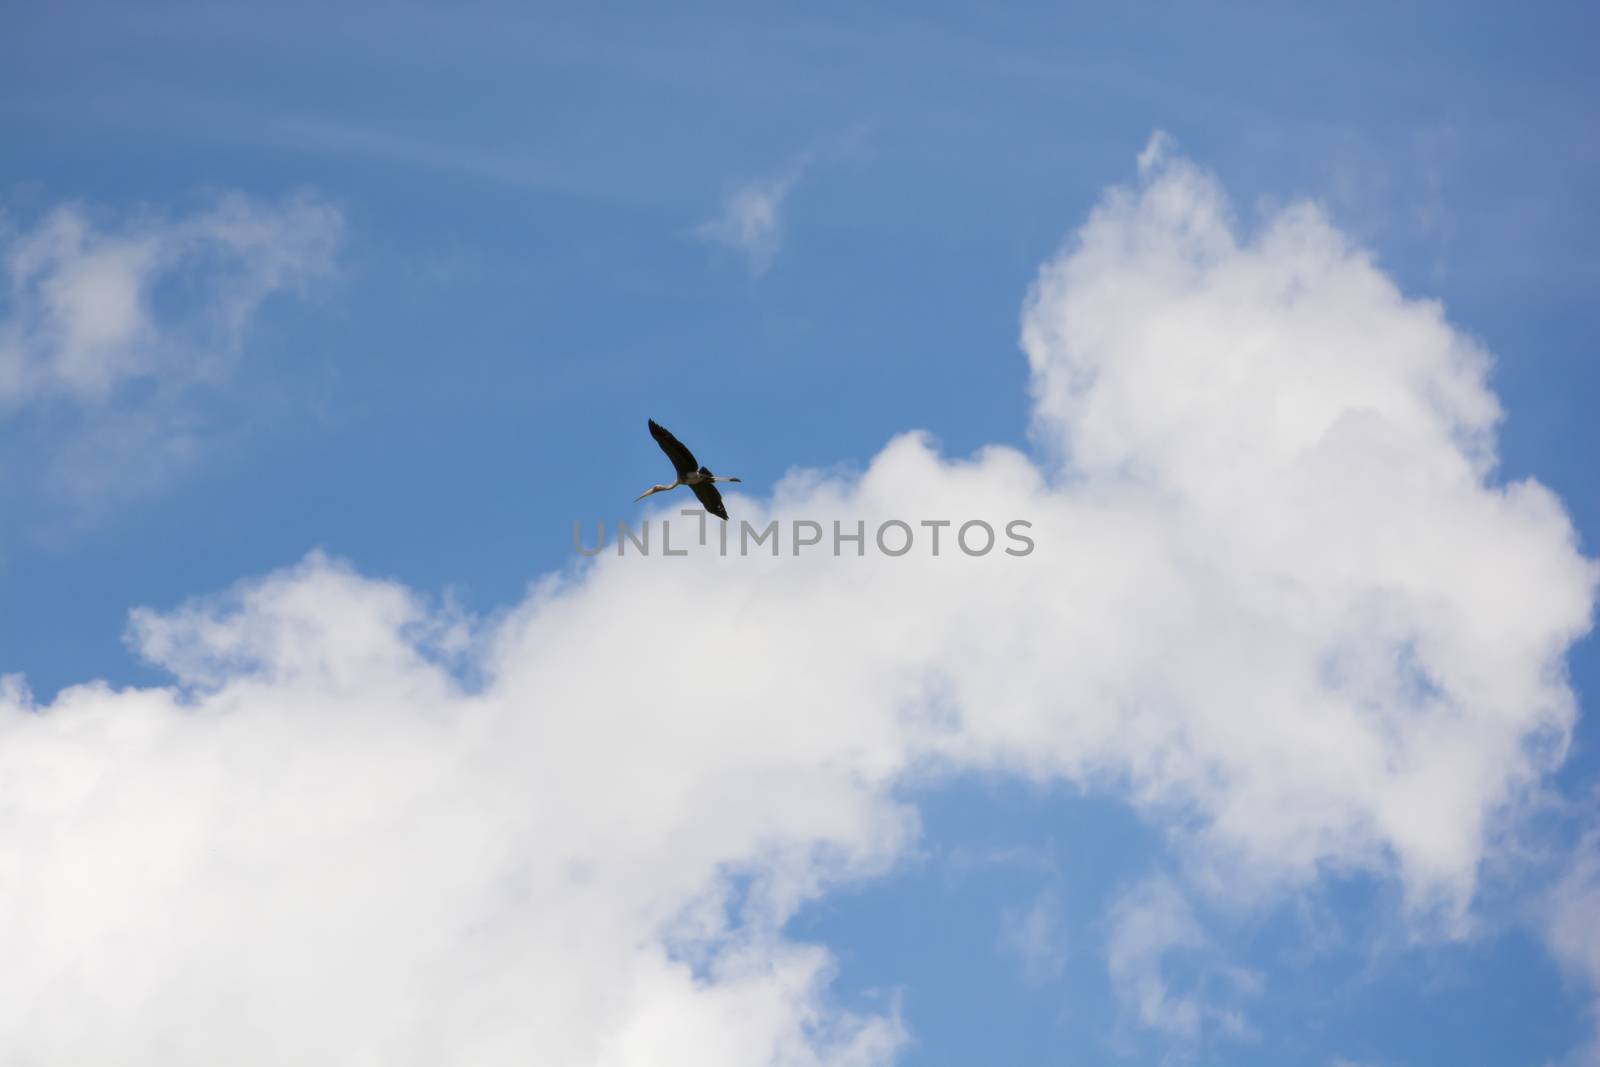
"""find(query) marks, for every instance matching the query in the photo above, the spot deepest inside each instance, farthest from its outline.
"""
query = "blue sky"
(412, 279)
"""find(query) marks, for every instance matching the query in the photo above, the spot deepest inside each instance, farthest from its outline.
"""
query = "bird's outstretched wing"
(682, 459)
(710, 498)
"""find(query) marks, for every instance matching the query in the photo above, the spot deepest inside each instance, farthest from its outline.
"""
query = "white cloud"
(1351, 646)
(751, 222)
(321, 848)
(1276, 603)
(81, 314)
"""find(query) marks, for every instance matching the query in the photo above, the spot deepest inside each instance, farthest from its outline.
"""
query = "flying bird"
(700, 481)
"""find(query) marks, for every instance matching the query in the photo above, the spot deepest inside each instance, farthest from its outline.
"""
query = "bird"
(700, 481)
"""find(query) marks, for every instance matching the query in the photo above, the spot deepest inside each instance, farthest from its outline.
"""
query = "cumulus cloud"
(88, 308)
(1354, 638)
(751, 222)
(1278, 603)
(319, 846)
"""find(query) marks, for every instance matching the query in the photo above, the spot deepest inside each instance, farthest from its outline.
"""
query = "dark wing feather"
(682, 459)
(710, 498)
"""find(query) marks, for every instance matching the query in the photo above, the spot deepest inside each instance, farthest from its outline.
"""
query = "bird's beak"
(642, 495)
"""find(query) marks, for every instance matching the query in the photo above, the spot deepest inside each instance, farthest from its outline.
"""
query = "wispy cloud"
(1152, 923)
(109, 327)
(88, 308)
(1572, 929)
(1035, 935)
(751, 222)
(432, 151)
